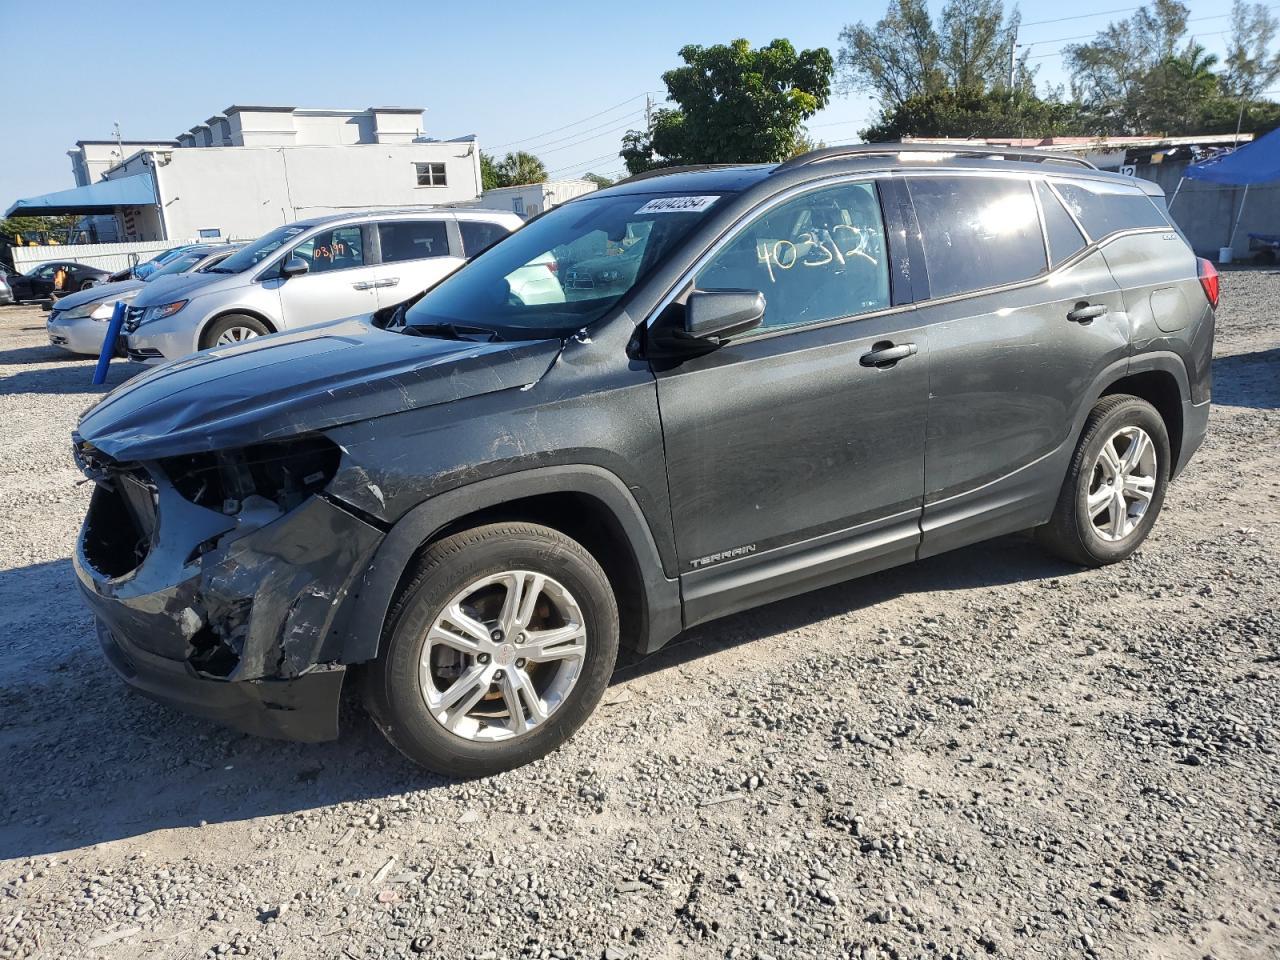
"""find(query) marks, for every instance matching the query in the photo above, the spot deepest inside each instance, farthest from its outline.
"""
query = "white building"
(531, 199)
(252, 168)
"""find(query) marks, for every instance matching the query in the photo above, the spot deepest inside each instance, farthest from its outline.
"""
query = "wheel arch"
(1161, 380)
(588, 504)
(233, 312)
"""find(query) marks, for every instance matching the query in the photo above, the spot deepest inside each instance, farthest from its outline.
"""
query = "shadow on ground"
(87, 761)
(1248, 380)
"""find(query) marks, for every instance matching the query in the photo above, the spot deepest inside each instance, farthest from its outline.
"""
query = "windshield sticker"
(677, 205)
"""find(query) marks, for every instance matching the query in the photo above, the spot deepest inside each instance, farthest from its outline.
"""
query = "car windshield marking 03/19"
(566, 269)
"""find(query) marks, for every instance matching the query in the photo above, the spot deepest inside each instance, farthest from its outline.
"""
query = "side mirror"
(294, 267)
(717, 314)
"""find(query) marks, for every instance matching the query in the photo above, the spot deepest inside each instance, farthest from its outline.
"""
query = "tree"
(513, 170)
(520, 168)
(1250, 66)
(734, 104)
(598, 180)
(490, 177)
(905, 56)
(1122, 77)
(30, 228)
(966, 114)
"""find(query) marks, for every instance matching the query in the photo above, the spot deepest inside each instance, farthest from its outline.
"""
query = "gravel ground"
(986, 753)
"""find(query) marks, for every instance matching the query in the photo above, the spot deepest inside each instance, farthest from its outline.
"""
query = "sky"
(562, 81)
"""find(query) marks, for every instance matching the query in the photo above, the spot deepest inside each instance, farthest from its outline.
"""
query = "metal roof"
(101, 197)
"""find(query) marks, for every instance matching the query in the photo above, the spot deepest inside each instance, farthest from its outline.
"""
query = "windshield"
(258, 251)
(564, 270)
(180, 264)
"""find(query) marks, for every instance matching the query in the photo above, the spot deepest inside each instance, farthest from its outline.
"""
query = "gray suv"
(798, 374)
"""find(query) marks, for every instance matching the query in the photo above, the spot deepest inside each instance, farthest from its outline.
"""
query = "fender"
(1161, 361)
(361, 621)
(227, 312)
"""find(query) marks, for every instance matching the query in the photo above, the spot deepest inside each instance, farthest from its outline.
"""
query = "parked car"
(78, 322)
(6, 292)
(140, 271)
(55, 279)
(309, 272)
(851, 360)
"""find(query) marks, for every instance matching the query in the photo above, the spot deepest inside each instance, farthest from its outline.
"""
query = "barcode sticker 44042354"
(677, 205)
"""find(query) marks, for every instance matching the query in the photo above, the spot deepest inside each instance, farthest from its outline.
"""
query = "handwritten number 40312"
(820, 251)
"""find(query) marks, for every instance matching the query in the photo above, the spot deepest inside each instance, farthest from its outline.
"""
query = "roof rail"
(663, 171)
(952, 149)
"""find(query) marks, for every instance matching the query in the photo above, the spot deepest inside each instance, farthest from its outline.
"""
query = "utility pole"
(648, 112)
(1013, 49)
(119, 140)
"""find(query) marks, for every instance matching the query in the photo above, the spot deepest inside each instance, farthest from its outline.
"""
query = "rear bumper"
(1195, 426)
(302, 708)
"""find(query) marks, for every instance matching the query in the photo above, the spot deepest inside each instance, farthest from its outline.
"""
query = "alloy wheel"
(502, 656)
(235, 335)
(1122, 483)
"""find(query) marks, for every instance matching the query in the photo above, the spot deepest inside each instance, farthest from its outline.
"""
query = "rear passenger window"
(479, 235)
(413, 240)
(818, 257)
(1105, 208)
(1064, 236)
(977, 232)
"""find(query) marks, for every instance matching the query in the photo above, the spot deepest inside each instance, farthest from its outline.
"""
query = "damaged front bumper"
(229, 612)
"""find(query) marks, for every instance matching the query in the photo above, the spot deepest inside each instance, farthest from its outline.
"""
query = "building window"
(430, 174)
(210, 233)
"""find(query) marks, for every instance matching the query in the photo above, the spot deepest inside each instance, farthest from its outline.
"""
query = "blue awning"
(1256, 162)
(101, 197)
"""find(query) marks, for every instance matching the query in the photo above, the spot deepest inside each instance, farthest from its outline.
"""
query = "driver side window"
(818, 257)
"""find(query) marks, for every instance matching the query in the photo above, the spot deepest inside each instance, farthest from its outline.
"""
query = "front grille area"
(132, 317)
(121, 525)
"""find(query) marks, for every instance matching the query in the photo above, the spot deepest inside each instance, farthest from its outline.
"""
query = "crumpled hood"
(305, 380)
(102, 292)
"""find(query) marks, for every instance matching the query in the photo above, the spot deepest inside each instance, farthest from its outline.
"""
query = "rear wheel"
(229, 330)
(1115, 486)
(497, 650)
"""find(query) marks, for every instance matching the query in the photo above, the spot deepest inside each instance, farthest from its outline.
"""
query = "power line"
(1086, 36)
(584, 163)
(578, 143)
(542, 147)
(545, 133)
(1062, 53)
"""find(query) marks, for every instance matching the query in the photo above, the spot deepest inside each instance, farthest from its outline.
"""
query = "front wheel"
(1115, 485)
(496, 652)
(230, 330)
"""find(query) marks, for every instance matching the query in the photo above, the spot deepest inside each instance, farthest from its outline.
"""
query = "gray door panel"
(1009, 371)
(788, 451)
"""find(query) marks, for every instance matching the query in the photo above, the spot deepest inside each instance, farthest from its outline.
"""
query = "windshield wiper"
(452, 331)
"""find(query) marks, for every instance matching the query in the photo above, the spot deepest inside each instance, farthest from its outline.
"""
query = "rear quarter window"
(1107, 208)
(978, 232)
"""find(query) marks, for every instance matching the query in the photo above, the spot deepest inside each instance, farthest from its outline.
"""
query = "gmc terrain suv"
(795, 374)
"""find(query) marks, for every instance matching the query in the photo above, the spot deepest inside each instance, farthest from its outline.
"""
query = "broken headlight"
(284, 472)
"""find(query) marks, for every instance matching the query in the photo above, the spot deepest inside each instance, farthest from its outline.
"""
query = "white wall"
(530, 199)
(246, 191)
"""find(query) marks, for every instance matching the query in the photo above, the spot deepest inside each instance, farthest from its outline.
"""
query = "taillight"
(553, 266)
(1208, 280)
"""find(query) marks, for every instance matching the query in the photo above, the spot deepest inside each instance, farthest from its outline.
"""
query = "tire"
(87, 285)
(1094, 541)
(237, 326)
(398, 683)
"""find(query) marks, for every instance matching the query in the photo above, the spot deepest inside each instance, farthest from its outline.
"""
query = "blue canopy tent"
(1256, 162)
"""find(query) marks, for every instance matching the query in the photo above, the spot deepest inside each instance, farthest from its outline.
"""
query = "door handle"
(886, 354)
(389, 282)
(362, 285)
(1087, 312)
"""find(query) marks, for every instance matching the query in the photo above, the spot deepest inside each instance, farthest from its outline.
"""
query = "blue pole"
(109, 344)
